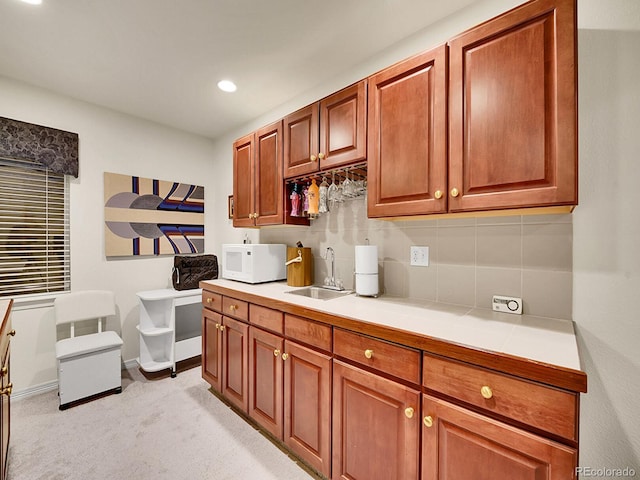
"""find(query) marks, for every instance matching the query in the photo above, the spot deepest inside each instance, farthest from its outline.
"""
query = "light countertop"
(546, 340)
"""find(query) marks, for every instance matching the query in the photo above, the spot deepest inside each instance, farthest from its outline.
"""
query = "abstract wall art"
(146, 216)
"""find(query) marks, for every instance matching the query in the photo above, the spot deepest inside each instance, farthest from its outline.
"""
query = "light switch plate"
(507, 304)
(420, 256)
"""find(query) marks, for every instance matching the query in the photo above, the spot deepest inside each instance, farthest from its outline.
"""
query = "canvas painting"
(146, 216)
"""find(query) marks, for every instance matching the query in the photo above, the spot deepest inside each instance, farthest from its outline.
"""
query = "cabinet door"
(307, 405)
(235, 381)
(343, 127)
(269, 184)
(460, 444)
(243, 174)
(407, 137)
(265, 380)
(212, 348)
(512, 114)
(373, 436)
(301, 142)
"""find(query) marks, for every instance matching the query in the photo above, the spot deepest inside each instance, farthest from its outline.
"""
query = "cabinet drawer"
(401, 362)
(539, 406)
(266, 318)
(212, 300)
(235, 308)
(306, 331)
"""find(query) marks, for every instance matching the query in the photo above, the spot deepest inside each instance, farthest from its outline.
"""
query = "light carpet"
(168, 428)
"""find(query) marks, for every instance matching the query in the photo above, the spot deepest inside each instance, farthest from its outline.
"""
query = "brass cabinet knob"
(12, 332)
(285, 356)
(368, 353)
(409, 412)
(428, 421)
(4, 371)
(209, 300)
(233, 308)
(313, 158)
(222, 328)
(276, 352)
(454, 192)
(7, 390)
(438, 194)
(218, 326)
(255, 215)
(486, 392)
(321, 156)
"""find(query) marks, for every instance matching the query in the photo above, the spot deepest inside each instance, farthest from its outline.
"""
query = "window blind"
(34, 229)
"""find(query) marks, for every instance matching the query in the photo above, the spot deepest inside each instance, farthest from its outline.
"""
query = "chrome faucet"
(331, 282)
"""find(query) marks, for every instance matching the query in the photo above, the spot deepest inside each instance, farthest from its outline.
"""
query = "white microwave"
(254, 262)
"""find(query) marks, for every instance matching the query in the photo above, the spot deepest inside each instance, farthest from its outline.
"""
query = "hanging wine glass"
(332, 191)
(348, 186)
(324, 188)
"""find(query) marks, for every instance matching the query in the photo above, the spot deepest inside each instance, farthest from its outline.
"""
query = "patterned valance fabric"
(56, 149)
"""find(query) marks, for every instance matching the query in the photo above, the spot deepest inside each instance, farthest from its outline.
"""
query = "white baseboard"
(35, 390)
(53, 385)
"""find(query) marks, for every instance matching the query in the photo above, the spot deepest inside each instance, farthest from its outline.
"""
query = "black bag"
(188, 270)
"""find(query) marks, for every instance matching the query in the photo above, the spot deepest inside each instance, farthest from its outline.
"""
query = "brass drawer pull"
(209, 300)
(368, 353)
(12, 332)
(486, 392)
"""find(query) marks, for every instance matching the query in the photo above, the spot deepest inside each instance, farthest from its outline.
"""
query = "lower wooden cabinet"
(225, 344)
(235, 371)
(307, 405)
(212, 349)
(458, 444)
(290, 395)
(376, 426)
(265, 380)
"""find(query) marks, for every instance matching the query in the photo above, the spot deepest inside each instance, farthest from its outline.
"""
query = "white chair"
(88, 364)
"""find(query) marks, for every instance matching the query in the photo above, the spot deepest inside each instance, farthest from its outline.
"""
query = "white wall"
(606, 262)
(113, 142)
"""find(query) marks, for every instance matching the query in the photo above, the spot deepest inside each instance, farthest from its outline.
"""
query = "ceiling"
(161, 59)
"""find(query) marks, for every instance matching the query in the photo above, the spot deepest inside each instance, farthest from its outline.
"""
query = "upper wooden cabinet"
(258, 189)
(328, 133)
(512, 110)
(407, 137)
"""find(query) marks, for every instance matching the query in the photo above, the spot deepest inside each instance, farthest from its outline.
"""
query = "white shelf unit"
(170, 328)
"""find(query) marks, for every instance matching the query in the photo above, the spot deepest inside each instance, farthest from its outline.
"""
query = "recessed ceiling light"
(33, 2)
(227, 86)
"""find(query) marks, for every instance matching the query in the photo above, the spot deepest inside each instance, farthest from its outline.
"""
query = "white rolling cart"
(170, 328)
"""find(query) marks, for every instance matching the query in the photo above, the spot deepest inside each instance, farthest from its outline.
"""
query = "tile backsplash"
(470, 259)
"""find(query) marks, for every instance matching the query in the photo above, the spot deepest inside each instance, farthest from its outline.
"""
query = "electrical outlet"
(420, 256)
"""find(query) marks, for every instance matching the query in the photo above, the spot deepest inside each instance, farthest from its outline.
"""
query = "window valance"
(56, 149)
